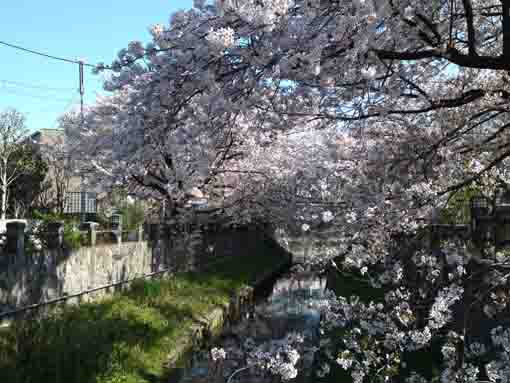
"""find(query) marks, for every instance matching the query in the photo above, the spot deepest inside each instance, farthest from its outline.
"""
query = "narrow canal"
(275, 341)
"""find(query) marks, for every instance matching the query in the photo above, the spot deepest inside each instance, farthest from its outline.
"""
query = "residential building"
(66, 176)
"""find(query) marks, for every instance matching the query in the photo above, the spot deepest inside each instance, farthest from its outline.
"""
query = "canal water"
(278, 337)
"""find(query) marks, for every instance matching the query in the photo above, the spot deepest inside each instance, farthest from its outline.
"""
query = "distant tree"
(60, 170)
(12, 131)
(24, 193)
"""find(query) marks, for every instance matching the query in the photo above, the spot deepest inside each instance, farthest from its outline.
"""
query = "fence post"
(55, 234)
(434, 238)
(91, 228)
(139, 234)
(16, 238)
(154, 232)
(116, 223)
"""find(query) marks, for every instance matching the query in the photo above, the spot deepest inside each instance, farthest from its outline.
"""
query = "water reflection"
(288, 309)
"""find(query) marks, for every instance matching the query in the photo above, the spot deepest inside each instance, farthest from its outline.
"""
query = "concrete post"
(116, 223)
(154, 232)
(139, 234)
(91, 228)
(55, 235)
(434, 238)
(16, 238)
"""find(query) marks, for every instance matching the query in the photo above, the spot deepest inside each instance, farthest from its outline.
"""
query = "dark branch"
(452, 55)
(468, 7)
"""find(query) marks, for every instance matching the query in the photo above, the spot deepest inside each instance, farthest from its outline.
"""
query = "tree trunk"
(506, 28)
(4, 190)
(4, 200)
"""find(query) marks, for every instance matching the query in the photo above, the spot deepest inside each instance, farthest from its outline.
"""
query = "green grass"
(128, 337)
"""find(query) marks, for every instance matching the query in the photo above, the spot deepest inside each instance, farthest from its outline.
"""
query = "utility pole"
(83, 199)
(82, 183)
(163, 211)
(82, 89)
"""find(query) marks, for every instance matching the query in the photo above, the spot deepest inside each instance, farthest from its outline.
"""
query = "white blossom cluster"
(420, 338)
(416, 378)
(440, 312)
(501, 338)
(261, 12)
(428, 265)
(221, 38)
(279, 357)
(218, 354)
(498, 371)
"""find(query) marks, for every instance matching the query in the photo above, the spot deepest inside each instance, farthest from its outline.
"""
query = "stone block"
(16, 237)
(55, 235)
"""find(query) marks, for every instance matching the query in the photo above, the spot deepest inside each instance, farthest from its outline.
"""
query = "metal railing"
(76, 295)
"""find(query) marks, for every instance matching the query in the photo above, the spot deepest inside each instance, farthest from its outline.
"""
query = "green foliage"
(426, 362)
(132, 215)
(30, 182)
(73, 238)
(347, 284)
(458, 209)
(128, 337)
(150, 289)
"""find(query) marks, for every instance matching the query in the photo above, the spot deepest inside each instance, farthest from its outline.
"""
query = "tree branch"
(452, 55)
(468, 7)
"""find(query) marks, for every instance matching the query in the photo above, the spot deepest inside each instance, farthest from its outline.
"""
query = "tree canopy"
(370, 113)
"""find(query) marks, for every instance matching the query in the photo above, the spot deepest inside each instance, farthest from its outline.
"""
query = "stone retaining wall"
(52, 273)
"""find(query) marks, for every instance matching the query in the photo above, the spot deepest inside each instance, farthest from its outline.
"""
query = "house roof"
(46, 133)
(44, 137)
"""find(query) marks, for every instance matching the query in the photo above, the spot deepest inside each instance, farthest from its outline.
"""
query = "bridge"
(306, 246)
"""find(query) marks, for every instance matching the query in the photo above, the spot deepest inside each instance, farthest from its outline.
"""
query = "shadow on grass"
(82, 343)
(126, 338)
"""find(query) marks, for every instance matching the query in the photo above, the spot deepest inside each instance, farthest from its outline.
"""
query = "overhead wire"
(71, 61)
(80, 64)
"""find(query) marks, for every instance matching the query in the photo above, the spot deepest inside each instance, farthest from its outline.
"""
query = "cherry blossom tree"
(412, 101)
(152, 153)
(422, 90)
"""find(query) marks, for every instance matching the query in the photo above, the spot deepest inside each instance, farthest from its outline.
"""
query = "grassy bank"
(126, 338)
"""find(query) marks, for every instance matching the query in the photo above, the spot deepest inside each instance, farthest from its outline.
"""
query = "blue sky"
(94, 30)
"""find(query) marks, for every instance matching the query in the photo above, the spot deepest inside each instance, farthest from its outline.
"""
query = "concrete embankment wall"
(35, 277)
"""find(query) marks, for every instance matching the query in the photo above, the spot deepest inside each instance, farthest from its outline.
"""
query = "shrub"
(73, 238)
(132, 216)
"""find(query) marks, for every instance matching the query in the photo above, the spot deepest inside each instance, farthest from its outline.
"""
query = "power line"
(80, 64)
(46, 55)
